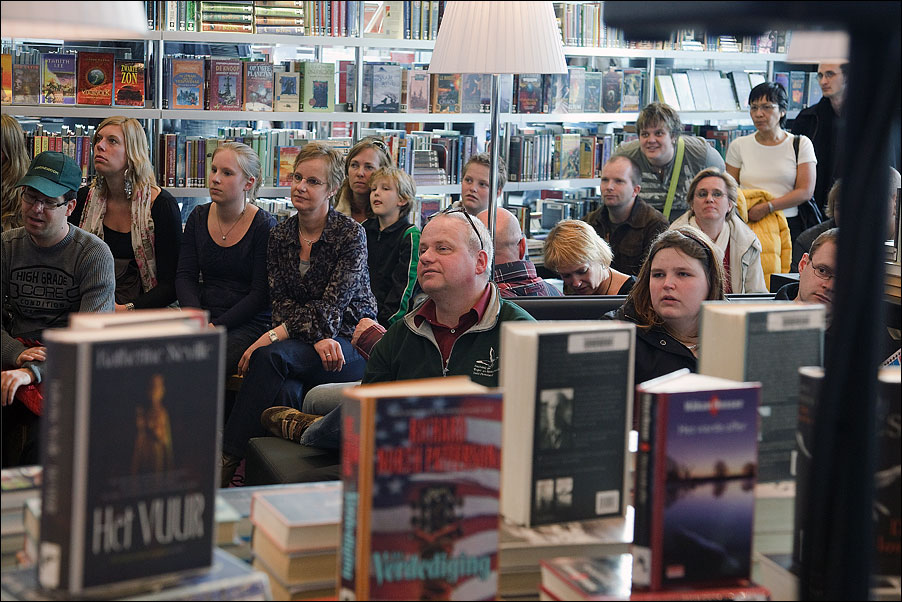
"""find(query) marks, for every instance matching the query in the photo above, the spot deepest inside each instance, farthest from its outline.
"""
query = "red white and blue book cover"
(421, 476)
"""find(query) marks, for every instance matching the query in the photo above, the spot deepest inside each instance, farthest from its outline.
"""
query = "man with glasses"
(50, 269)
(455, 331)
(822, 123)
(817, 274)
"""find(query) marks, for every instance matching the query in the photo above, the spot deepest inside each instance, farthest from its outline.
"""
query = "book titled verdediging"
(130, 448)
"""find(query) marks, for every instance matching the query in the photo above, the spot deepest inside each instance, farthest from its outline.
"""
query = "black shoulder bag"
(809, 213)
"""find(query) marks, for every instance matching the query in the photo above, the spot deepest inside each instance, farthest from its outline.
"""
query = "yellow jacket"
(772, 231)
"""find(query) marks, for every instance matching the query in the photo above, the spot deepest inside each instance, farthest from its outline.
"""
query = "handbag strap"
(674, 177)
(795, 147)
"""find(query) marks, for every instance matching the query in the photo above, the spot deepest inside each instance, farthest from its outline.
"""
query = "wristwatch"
(130, 307)
(273, 336)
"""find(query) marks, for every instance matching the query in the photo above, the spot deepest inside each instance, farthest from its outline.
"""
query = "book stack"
(295, 538)
(18, 485)
(285, 17)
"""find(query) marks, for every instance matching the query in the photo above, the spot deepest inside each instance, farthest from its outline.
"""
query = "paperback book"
(26, 84)
(58, 78)
(592, 92)
(418, 91)
(129, 469)
(225, 84)
(186, 84)
(566, 428)
(287, 91)
(695, 480)
(421, 465)
(258, 86)
(446, 93)
(633, 89)
(300, 518)
(318, 83)
(612, 91)
(128, 85)
(386, 90)
(95, 78)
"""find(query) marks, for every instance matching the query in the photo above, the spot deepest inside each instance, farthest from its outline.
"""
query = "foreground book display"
(421, 463)
(567, 406)
(130, 450)
(766, 342)
(695, 481)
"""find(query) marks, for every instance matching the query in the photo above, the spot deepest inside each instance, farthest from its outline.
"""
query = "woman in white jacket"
(712, 209)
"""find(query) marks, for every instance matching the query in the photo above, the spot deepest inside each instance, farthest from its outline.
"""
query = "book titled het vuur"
(130, 447)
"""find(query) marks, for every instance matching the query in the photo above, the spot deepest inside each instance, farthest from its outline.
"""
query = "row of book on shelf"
(415, 20)
(428, 466)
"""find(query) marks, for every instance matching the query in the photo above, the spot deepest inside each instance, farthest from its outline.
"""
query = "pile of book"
(17, 485)
(295, 538)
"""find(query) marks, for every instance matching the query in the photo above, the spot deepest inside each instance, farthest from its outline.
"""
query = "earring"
(128, 185)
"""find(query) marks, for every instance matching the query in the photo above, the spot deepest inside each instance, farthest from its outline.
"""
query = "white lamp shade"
(73, 20)
(498, 37)
(818, 47)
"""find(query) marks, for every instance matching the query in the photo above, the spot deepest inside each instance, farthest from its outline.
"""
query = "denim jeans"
(325, 433)
(278, 375)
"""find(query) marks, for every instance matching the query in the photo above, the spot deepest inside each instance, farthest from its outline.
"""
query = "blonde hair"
(404, 184)
(334, 162)
(248, 162)
(572, 242)
(137, 154)
(345, 194)
(728, 180)
(14, 167)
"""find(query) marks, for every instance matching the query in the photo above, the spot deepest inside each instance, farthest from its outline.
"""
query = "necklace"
(219, 221)
(610, 282)
(307, 240)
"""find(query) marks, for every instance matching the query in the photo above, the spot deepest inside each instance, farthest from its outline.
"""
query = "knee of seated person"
(322, 399)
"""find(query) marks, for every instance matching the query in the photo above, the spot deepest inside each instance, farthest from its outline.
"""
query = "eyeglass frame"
(296, 179)
(27, 200)
(768, 107)
(831, 275)
(450, 210)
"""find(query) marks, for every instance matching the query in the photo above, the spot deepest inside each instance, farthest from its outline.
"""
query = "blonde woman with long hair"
(15, 163)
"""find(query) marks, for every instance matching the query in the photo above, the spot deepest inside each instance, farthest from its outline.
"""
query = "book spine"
(887, 502)
(59, 425)
(357, 477)
(645, 467)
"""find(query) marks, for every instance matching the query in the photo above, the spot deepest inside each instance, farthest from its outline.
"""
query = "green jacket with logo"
(407, 351)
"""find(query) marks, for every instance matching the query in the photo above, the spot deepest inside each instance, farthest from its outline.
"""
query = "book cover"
(720, 92)
(446, 93)
(418, 91)
(588, 578)
(297, 568)
(386, 89)
(587, 156)
(814, 90)
(225, 84)
(186, 84)
(57, 78)
(797, 88)
(566, 429)
(742, 87)
(128, 86)
(765, 342)
(666, 91)
(6, 73)
(569, 156)
(782, 78)
(95, 78)
(258, 86)
(420, 466)
(592, 92)
(756, 78)
(612, 91)
(300, 518)
(577, 89)
(683, 91)
(699, 90)
(319, 87)
(27, 84)
(557, 93)
(633, 90)
(695, 480)
(18, 484)
(471, 93)
(529, 93)
(129, 469)
(287, 91)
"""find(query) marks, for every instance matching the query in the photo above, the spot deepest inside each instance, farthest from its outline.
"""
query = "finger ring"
(328, 355)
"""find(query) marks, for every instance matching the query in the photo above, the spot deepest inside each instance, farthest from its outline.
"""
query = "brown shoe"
(286, 422)
(228, 465)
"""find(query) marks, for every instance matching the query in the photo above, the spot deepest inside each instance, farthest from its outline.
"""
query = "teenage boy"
(392, 243)
(474, 183)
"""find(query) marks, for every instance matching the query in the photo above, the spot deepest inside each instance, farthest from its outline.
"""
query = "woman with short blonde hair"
(583, 260)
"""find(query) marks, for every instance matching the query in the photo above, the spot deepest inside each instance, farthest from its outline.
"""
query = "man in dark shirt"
(626, 222)
(514, 274)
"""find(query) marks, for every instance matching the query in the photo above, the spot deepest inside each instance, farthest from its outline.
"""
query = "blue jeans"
(278, 375)
(325, 433)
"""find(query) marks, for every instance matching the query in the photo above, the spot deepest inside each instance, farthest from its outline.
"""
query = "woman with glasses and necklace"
(138, 220)
(712, 209)
(362, 160)
(767, 160)
(222, 265)
(320, 289)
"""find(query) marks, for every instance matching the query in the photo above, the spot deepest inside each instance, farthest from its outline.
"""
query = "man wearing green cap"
(50, 269)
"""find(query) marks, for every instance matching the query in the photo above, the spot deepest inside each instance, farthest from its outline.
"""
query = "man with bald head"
(514, 274)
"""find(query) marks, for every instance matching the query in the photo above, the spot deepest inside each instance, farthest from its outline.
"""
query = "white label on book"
(49, 565)
(607, 502)
(794, 320)
(594, 342)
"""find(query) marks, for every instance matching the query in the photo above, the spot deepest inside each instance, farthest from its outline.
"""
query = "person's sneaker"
(286, 422)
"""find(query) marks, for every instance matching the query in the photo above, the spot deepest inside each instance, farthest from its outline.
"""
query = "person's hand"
(245, 360)
(32, 354)
(121, 307)
(758, 212)
(330, 354)
(362, 326)
(10, 381)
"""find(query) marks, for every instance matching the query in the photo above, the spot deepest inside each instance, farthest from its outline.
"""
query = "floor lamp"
(74, 20)
(495, 38)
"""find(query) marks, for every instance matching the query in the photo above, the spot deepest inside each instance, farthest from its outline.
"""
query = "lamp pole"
(493, 169)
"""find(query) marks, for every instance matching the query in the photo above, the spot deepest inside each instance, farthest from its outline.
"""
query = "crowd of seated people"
(348, 284)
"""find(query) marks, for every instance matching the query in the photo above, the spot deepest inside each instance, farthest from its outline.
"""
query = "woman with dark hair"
(138, 220)
(683, 269)
(769, 160)
(712, 209)
(364, 158)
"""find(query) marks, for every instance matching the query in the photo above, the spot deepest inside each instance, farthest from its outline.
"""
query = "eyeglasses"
(311, 182)
(823, 272)
(702, 194)
(763, 107)
(30, 199)
(379, 144)
(451, 210)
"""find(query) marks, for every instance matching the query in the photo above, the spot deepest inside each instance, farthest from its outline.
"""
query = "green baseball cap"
(52, 174)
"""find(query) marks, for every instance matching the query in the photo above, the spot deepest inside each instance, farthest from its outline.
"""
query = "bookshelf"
(160, 43)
